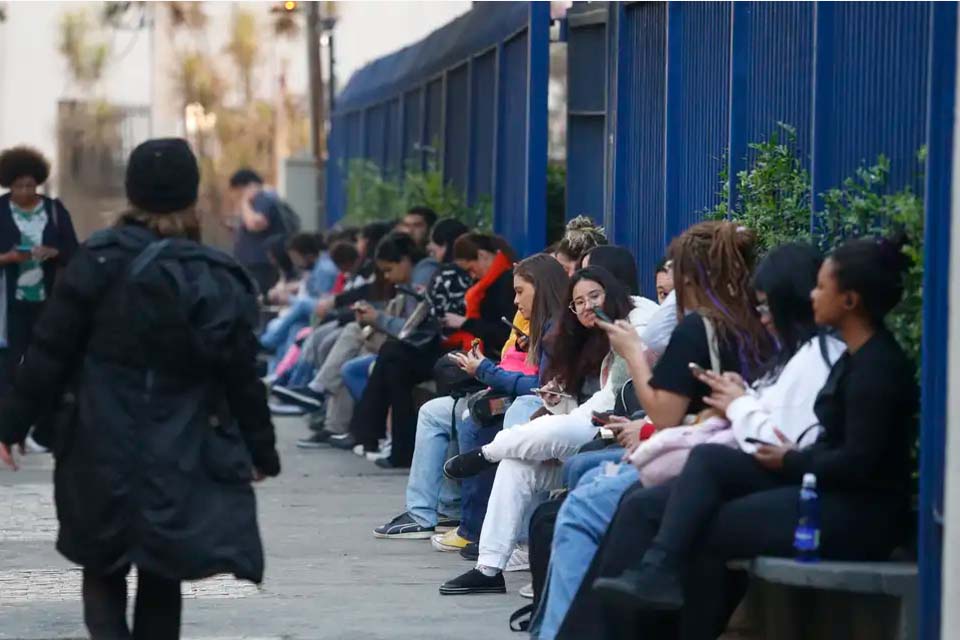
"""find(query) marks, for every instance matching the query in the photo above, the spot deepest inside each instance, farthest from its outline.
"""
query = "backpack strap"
(521, 618)
(148, 255)
(712, 345)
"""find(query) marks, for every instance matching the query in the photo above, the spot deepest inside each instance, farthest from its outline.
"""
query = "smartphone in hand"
(601, 418)
(759, 443)
(600, 313)
(696, 369)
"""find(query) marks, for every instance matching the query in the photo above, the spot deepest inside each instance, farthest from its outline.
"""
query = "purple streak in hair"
(745, 369)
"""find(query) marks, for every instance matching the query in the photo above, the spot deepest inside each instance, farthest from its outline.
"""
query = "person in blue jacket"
(539, 285)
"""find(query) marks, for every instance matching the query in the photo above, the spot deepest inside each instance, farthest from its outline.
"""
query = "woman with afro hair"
(37, 240)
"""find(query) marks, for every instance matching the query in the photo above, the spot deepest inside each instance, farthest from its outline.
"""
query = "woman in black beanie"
(147, 352)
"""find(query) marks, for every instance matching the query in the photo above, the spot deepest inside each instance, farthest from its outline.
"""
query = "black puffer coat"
(153, 465)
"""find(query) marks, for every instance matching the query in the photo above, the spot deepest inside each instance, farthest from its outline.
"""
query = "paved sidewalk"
(327, 577)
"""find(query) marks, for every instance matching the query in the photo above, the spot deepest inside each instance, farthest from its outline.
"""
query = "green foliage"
(371, 196)
(83, 47)
(861, 206)
(774, 199)
(556, 200)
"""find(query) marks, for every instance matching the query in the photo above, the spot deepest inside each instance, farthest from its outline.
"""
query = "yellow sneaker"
(449, 541)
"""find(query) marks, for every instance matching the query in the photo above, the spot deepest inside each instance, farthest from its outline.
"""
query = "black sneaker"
(302, 397)
(386, 463)
(316, 441)
(474, 581)
(344, 441)
(446, 523)
(471, 552)
(650, 588)
(403, 527)
(467, 465)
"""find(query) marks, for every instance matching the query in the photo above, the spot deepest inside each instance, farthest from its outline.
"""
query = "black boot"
(655, 586)
(467, 465)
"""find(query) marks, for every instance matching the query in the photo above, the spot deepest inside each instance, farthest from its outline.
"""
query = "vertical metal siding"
(433, 124)
(511, 149)
(698, 94)
(482, 93)
(871, 89)
(772, 77)
(638, 199)
(586, 120)
(375, 135)
(412, 127)
(335, 195)
(392, 149)
(456, 138)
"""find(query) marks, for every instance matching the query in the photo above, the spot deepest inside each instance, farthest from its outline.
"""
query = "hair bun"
(891, 252)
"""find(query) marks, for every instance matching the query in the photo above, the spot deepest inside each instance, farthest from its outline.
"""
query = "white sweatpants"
(518, 484)
(546, 438)
(528, 471)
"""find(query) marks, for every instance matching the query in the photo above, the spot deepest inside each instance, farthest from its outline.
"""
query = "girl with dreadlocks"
(718, 327)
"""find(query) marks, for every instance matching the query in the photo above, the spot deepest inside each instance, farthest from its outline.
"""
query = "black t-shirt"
(250, 247)
(688, 343)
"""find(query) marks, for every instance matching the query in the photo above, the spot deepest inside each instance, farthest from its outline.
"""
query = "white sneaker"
(373, 456)
(519, 561)
(358, 450)
(526, 591)
(32, 446)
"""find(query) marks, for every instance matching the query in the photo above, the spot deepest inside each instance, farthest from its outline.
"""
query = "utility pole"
(318, 115)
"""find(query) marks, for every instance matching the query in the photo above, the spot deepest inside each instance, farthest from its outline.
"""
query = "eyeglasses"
(763, 309)
(593, 299)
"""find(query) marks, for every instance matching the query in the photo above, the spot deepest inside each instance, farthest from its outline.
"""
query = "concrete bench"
(791, 600)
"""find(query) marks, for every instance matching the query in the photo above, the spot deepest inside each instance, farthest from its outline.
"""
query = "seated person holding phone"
(779, 402)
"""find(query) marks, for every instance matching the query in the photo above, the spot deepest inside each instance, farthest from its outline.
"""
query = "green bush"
(371, 196)
(774, 199)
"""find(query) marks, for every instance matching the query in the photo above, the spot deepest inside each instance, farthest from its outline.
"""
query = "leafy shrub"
(371, 196)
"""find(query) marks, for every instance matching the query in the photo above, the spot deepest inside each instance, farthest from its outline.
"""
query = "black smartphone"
(600, 313)
(759, 443)
(695, 369)
(513, 326)
(602, 418)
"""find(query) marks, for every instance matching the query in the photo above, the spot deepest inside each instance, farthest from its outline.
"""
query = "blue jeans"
(475, 492)
(300, 375)
(355, 374)
(280, 331)
(575, 468)
(581, 525)
(429, 493)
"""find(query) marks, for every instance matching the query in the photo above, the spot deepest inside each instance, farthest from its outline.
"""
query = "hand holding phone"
(696, 369)
(600, 313)
(602, 418)
(759, 443)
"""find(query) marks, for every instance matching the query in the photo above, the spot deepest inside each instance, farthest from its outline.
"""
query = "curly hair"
(582, 235)
(712, 266)
(18, 162)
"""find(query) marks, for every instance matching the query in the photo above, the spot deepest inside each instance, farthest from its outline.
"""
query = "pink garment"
(663, 456)
(516, 361)
(292, 355)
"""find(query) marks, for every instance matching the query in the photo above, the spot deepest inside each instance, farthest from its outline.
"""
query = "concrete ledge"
(889, 578)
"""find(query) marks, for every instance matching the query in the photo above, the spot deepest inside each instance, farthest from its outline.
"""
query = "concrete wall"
(951, 538)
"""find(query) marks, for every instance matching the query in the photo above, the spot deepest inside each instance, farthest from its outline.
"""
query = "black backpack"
(288, 218)
(188, 304)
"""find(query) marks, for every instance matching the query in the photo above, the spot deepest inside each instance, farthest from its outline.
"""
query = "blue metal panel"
(538, 78)
(638, 192)
(936, 310)
(354, 140)
(393, 156)
(698, 92)
(412, 126)
(335, 196)
(457, 136)
(586, 50)
(511, 145)
(433, 123)
(772, 77)
(871, 89)
(376, 135)
(586, 120)
(482, 93)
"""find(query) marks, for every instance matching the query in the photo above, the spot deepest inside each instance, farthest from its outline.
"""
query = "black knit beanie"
(162, 176)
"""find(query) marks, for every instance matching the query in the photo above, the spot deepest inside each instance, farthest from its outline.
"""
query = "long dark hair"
(712, 263)
(576, 352)
(445, 233)
(787, 275)
(874, 268)
(469, 245)
(549, 280)
(618, 261)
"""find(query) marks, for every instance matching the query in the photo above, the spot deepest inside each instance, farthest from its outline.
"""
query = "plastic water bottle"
(806, 538)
